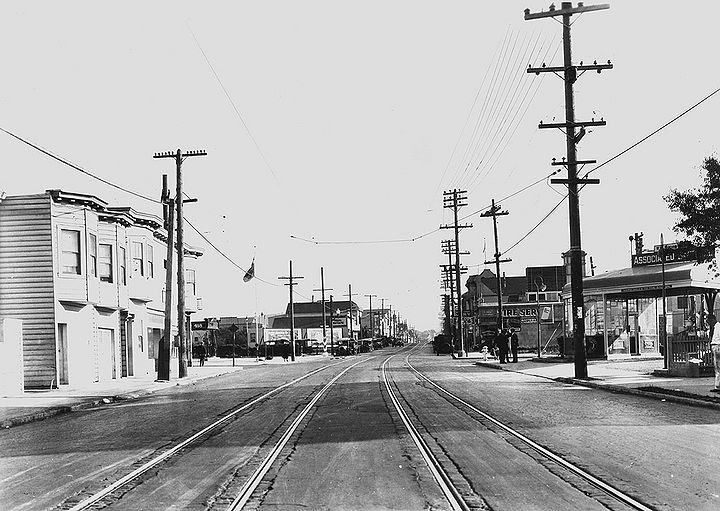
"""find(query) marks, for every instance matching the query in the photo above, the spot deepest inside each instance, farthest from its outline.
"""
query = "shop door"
(634, 334)
(106, 354)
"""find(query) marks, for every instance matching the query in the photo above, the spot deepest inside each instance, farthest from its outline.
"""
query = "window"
(92, 252)
(106, 263)
(190, 280)
(150, 270)
(541, 297)
(137, 257)
(70, 260)
(123, 271)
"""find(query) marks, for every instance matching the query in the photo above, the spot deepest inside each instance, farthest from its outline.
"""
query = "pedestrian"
(501, 342)
(715, 347)
(514, 344)
(202, 352)
(285, 351)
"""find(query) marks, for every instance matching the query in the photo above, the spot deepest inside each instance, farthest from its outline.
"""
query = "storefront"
(624, 308)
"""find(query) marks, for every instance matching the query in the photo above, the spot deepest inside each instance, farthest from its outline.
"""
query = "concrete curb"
(661, 394)
(100, 401)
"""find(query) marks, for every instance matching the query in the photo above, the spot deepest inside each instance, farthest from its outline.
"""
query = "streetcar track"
(438, 472)
(149, 465)
(256, 478)
(543, 451)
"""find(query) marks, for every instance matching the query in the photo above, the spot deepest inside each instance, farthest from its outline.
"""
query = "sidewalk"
(35, 405)
(640, 376)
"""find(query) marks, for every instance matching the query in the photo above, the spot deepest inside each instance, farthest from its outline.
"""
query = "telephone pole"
(322, 289)
(495, 212)
(179, 157)
(292, 310)
(168, 202)
(372, 326)
(349, 295)
(332, 336)
(454, 200)
(569, 76)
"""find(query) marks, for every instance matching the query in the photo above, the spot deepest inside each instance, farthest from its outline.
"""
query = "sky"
(332, 129)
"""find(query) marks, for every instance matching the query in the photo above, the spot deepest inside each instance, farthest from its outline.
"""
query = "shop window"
(106, 263)
(137, 258)
(92, 254)
(682, 302)
(70, 247)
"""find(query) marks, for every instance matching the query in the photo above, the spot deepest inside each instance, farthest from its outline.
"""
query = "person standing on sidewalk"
(202, 352)
(715, 347)
(501, 341)
(514, 344)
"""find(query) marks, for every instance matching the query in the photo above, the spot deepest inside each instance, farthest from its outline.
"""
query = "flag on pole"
(250, 273)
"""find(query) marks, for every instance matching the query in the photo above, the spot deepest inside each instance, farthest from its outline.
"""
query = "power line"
(109, 183)
(76, 167)
(232, 103)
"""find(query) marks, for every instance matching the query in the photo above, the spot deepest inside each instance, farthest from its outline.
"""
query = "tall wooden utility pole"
(292, 310)
(179, 156)
(322, 296)
(495, 212)
(569, 76)
(349, 295)
(332, 336)
(163, 373)
(372, 326)
(454, 200)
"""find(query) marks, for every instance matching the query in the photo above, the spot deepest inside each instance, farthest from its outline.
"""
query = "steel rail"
(451, 493)
(607, 488)
(252, 483)
(162, 457)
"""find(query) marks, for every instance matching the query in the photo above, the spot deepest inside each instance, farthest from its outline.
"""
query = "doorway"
(62, 358)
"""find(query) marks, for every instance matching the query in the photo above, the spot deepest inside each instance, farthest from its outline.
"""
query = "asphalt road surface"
(335, 439)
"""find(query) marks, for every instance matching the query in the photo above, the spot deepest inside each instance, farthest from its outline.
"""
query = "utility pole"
(454, 200)
(382, 317)
(349, 295)
(166, 339)
(332, 336)
(449, 247)
(322, 290)
(569, 76)
(390, 332)
(292, 310)
(372, 326)
(179, 156)
(495, 212)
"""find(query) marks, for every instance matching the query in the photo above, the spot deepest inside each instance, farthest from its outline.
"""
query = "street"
(335, 440)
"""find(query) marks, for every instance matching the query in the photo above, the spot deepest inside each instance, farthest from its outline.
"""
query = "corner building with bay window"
(88, 283)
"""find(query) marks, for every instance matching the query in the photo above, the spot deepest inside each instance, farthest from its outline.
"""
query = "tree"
(700, 219)
(699, 211)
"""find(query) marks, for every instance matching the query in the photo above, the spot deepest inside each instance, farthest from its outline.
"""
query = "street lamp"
(539, 286)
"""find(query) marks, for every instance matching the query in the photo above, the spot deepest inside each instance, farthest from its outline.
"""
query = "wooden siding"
(26, 281)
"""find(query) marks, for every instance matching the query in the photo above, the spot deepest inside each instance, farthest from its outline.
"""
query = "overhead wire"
(488, 96)
(66, 162)
(496, 121)
(495, 93)
(516, 121)
(235, 108)
(511, 106)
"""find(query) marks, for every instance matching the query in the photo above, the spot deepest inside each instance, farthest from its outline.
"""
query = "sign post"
(233, 329)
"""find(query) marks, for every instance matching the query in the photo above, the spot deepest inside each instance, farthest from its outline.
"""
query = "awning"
(680, 279)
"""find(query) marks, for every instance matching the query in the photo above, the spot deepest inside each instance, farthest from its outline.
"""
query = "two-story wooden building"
(87, 280)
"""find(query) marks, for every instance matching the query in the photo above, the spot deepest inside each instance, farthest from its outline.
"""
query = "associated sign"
(685, 253)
